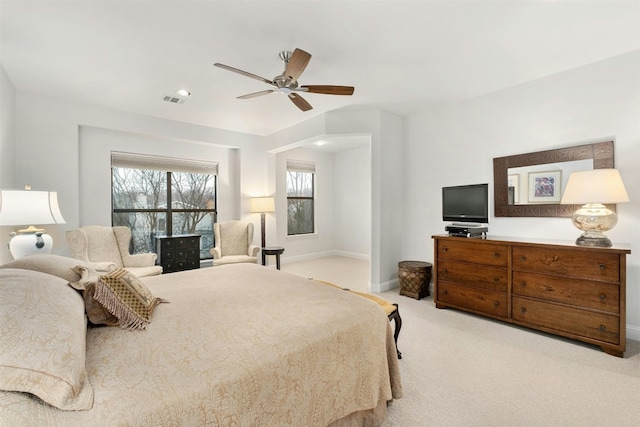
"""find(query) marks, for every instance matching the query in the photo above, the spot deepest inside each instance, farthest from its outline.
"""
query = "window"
(300, 197)
(163, 196)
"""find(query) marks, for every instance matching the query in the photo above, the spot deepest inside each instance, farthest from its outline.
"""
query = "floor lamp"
(262, 205)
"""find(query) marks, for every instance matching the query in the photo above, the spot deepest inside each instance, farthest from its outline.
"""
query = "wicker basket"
(414, 277)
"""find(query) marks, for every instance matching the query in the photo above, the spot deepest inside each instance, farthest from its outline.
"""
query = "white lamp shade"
(603, 186)
(263, 204)
(26, 207)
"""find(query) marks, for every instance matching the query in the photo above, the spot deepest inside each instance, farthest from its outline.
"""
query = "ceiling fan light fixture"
(287, 82)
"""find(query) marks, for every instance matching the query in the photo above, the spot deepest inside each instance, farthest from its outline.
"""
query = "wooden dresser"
(178, 253)
(553, 286)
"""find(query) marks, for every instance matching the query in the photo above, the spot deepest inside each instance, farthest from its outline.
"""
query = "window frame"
(310, 169)
(169, 211)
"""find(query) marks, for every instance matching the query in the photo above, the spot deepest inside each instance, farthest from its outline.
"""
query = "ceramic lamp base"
(594, 219)
(603, 241)
(27, 243)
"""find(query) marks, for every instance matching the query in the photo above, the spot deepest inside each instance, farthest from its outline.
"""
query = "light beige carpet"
(459, 369)
(347, 272)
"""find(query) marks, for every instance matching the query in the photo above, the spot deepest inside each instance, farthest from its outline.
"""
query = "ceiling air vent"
(173, 99)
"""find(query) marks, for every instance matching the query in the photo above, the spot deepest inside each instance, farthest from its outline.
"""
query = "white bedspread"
(238, 345)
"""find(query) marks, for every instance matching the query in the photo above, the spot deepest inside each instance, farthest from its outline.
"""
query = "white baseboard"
(317, 255)
(633, 332)
(385, 286)
(352, 255)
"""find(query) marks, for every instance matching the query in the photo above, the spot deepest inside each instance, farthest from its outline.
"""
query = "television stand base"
(466, 231)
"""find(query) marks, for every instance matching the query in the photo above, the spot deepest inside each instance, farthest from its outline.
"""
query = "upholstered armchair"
(107, 248)
(234, 243)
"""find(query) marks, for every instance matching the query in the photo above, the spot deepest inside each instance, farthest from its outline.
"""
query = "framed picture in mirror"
(545, 187)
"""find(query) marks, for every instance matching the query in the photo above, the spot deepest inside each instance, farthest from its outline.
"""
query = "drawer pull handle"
(444, 249)
(602, 328)
(496, 303)
(445, 271)
(523, 310)
(445, 292)
(496, 279)
(497, 255)
(602, 266)
(603, 297)
(523, 258)
(523, 283)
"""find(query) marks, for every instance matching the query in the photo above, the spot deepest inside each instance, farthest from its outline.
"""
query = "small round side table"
(272, 250)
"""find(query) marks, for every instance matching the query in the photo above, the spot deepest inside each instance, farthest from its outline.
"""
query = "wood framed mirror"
(601, 153)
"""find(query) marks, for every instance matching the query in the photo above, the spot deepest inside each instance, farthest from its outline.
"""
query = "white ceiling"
(401, 56)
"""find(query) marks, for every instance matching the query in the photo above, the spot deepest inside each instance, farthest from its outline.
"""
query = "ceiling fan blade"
(254, 94)
(327, 89)
(245, 73)
(300, 102)
(296, 65)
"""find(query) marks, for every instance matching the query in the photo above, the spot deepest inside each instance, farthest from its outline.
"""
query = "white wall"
(386, 133)
(352, 202)
(97, 144)
(343, 205)
(322, 240)
(7, 130)
(7, 145)
(48, 135)
(409, 164)
(456, 145)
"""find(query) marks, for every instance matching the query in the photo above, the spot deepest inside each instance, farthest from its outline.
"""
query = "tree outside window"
(153, 202)
(300, 202)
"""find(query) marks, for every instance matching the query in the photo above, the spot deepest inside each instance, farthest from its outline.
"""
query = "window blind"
(168, 164)
(301, 166)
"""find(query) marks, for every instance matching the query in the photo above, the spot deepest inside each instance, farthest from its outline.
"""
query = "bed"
(235, 345)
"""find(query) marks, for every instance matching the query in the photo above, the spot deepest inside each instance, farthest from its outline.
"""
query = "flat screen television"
(466, 203)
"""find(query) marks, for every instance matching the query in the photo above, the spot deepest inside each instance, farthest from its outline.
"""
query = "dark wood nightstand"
(273, 250)
(178, 252)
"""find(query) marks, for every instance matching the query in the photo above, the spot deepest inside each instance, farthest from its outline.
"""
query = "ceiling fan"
(287, 82)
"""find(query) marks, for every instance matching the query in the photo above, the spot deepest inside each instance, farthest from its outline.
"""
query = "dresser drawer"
(492, 278)
(581, 293)
(583, 323)
(168, 244)
(566, 262)
(472, 251)
(475, 299)
(178, 253)
(187, 242)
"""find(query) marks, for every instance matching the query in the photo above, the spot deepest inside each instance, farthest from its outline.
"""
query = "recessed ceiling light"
(183, 92)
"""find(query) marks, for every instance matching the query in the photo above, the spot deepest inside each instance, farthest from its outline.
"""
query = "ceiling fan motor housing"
(287, 83)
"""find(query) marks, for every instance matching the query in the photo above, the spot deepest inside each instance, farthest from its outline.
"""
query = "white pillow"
(55, 265)
(43, 339)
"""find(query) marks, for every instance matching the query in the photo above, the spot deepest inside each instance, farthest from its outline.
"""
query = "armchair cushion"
(234, 259)
(123, 237)
(139, 260)
(234, 238)
(106, 249)
(102, 245)
(234, 243)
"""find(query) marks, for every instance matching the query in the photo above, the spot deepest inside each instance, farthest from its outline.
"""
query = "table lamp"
(262, 205)
(593, 189)
(23, 207)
